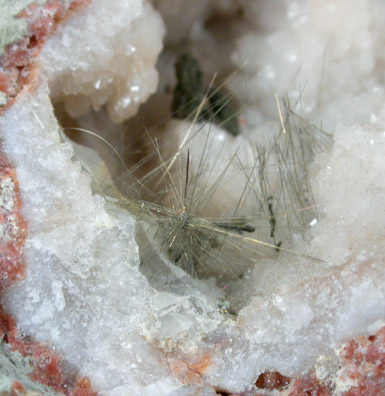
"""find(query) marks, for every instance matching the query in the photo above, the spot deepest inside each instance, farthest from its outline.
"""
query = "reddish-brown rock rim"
(18, 66)
(45, 363)
(358, 370)
(13, 226)
(360, 362)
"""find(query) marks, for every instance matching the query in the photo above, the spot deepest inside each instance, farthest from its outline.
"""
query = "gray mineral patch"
(3, 98)
(14, 367)
(12, 28)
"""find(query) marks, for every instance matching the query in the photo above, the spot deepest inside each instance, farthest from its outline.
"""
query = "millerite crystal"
(177, 225)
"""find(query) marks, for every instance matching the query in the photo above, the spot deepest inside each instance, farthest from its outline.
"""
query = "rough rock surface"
(26, 25)
(81, 291)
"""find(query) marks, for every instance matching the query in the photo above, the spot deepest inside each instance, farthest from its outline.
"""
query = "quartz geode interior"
(84, 292)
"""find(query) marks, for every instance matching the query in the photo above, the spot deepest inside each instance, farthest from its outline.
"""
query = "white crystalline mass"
(311, 315)
(84, 292)
(181, 16)
(117, 68)
(178, 27)
(317, 303)
(352, 191)
(69, 232)
(327, 54)
(291, 328)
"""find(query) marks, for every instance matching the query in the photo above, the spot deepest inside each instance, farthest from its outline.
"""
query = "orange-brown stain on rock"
(190, 372)
(182, 372)
(45, 362)
(201, 364)
(19, 60)
(83, 388)
(19, 70)
(13, 227)
(272, 381)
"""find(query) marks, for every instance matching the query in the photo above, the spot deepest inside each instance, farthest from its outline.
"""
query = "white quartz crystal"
(308, 316)
(83, 292)
(86, 68)
(145, 330)
(327, 54)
